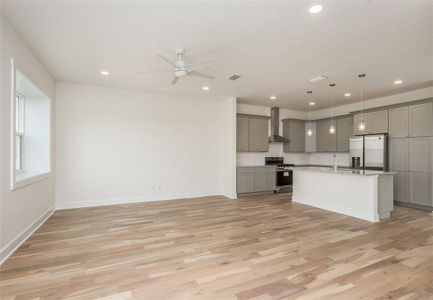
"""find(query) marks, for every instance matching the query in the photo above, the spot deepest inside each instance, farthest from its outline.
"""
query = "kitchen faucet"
(335, 161)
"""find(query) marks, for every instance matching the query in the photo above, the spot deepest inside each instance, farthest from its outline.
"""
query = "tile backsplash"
(276, 149)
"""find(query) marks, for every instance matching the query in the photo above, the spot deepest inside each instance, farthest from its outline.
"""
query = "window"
(19, 132)
(31, 132)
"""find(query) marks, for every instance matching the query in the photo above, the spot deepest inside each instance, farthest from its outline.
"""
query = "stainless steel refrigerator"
(369, 152)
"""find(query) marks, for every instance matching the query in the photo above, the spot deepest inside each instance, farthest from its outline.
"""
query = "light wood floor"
(215, 248)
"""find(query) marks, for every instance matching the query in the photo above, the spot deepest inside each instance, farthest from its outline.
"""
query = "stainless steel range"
(284, 176)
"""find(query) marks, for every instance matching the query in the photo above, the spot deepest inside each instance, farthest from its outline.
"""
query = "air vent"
(318, 78)
(234, 77)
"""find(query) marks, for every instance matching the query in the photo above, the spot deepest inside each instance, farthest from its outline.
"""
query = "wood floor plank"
(262, 247)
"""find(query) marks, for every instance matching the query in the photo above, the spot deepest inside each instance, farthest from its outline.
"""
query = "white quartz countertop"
(343, 171)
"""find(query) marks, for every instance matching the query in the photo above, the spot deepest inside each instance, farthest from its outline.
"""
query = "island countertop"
(343, 171)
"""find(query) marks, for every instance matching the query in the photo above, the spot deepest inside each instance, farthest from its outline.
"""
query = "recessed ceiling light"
(105, 73)
(347, 95)
(315, 9)
(206, 88)
(398, 81)
(273, 97)
(312, 103)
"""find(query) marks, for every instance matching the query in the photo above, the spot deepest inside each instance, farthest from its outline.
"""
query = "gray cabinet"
(401, 187)
(344, 132)
(420, 154)
(255, 179)
(252, 133)
(398, 122)
(294, 131)
(245, 180)
(357, 120)
(375, 122)
(421, 188)
(398, 155)
(421, 120)
(378, 121)
(421, 171)
(264, 180)
(259, 135)
(325, 142)
(242, 134)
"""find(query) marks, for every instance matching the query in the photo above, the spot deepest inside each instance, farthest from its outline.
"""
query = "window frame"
(19, 132)
(21, 178)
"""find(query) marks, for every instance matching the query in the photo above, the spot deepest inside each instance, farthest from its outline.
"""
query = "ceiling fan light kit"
(181, 69)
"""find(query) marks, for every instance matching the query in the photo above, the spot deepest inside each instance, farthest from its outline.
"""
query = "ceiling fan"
(181, 69)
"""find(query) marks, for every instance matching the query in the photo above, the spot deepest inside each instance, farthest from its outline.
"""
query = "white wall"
(23, 209)
(117, 146)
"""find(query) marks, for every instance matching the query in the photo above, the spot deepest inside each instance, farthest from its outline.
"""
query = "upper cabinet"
(294, 131)
(399, 122)
(344, 132)
(325, 141)
(252, 133)
(259, 135)
(379, 121)
(242, 134)
(421, 120)
(374, 122)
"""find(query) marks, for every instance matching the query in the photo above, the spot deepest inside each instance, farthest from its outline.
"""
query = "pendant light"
(361, 125)
(309, 131)
(332, 128)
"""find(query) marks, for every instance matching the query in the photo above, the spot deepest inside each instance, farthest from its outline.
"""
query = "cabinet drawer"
(245, 169)
(265, 169)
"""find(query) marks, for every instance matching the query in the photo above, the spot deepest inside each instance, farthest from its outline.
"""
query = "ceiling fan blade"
(150, 72)
(201, 75)
(201, 65)
(166, 60)
(175, 79)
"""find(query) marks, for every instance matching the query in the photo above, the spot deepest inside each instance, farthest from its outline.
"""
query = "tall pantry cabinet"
(411, 153)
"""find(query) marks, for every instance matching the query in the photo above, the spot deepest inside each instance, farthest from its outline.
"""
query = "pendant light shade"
(332, 128)
(309, 131)
(361, 125)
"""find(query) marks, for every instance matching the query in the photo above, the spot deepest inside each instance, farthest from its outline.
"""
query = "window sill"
(26, 178)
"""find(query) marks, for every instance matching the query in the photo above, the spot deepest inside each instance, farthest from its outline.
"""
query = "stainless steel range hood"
(275, 127)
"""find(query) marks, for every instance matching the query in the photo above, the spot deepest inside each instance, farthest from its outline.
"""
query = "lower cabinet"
(245, 181)
(401, 187)
(421, 188)
(255, 179)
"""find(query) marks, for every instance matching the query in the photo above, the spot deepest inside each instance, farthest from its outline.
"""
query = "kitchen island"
(363, 194)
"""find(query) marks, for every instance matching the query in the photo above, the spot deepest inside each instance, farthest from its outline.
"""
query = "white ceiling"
(275, 46)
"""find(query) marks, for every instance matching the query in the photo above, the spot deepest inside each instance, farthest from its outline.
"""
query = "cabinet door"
(344, 132)
(242, 134)
(301, 136)
(398, 155)
(245, 182)
(294, 130)
(420, 154)
(421, 120)
(259, 135)
(398, 122)
(420, 188)
(401, 187)
(264, 181)
(357, 121)
(326, 142)
(378, 121)
(290, 132)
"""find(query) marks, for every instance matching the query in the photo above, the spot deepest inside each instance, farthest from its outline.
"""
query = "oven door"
(284, 178)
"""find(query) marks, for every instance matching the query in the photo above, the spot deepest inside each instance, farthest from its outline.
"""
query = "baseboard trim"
(10, 248)
(135, 199)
